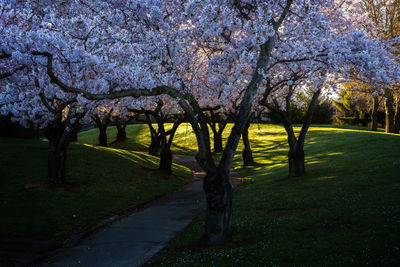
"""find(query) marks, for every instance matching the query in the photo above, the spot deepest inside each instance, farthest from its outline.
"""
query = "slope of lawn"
(102, 182)
(139, 138)
(344, 212)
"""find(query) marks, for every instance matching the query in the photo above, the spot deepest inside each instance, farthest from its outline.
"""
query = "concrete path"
(133, 240)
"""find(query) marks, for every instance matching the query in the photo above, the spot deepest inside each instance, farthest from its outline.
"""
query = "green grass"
(139, 138)
(103, 182)
(344, 212)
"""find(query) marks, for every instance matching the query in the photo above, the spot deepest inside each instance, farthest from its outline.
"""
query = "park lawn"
(138, 138)
(344, 212)
(102, 183)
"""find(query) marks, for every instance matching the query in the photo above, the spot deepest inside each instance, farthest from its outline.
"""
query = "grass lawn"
(345, 212)
(103, 182)
(139, 138)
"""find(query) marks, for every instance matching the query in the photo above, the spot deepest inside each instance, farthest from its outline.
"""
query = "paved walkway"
(134, 239)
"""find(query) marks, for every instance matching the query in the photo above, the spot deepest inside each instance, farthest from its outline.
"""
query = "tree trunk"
(103, 136)
(154, 145)
(219, 195)
(375, 114)
(389, 113)
(247, 154)
(74, 137)
(56, 166)
(57, 157)
(296, 162)
(397, 116)
(121, 134)
(218, 142)
(166, 159)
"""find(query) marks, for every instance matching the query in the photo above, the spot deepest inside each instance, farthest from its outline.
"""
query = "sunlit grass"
(344, 212)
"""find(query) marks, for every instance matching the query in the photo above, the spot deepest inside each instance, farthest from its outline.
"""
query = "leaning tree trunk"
(103, 136)
(247, 154)
(219, 195)
(375, 114)
(296, 161)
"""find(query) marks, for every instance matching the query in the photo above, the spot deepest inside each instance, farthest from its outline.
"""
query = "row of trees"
(361, 98)
(211, 61)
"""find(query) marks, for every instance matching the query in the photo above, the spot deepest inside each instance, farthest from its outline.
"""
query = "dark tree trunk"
(154, 145)
(217, 125)
(102, 124)
(103, 136)
(296, 162)
(218, 142)
(74, 137)
(389, 113)
(397, 116)
(166, 159)
(121, 135)
(121, 132)
(59, 140)
(166, 153)
(219, 195)
(56, 165)
(375, 114)
(247, 154)
(57, 156)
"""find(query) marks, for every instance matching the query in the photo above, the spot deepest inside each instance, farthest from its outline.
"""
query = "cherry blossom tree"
(101, 115)
(144, 48)
(160, 110)
(122, 116)
(380, 19)
(324, 46)
(31, 101)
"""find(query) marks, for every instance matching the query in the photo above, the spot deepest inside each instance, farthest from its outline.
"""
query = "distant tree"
(324, 110)
(383, 22)
(347, 112)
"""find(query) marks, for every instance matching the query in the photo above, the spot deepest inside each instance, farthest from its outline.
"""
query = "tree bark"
(389, 113)
(121, 135)
(218, 142)
(375, 114)
(56, 164)
(74, 137)
(121, 132)
(102, 124)
(397, 116)
(103, 136)
(247, 154)
(219, 195)
(296, 162)
(166, 153)
(155, 145)
(166, 159)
